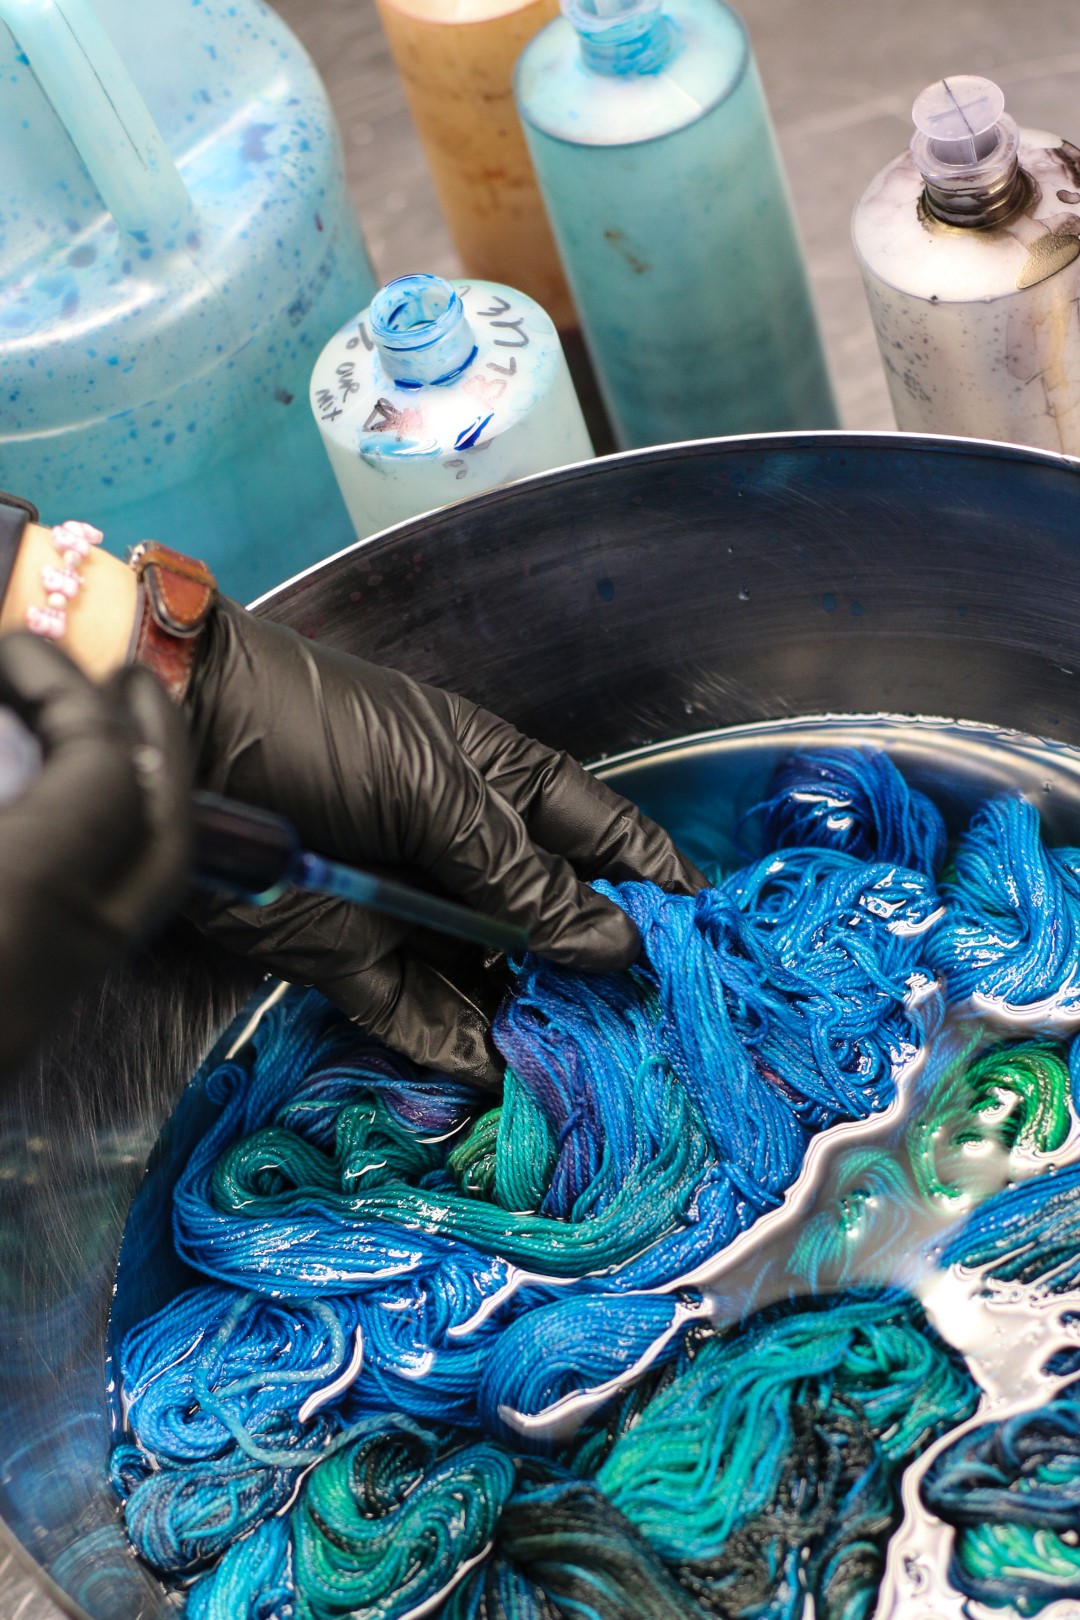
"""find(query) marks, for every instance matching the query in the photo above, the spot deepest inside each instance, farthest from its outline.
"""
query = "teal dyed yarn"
(449, 1358)
(1011, 1492)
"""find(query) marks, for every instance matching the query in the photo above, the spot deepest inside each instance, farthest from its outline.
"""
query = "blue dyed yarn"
(853, 800)
(399, 1276)
(1011, 1491)
(1012, 927)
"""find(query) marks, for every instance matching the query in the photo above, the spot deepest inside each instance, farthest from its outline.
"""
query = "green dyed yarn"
(1001, 1558)
(525, 1160)
(472, 1163)
(375, 1519)
(709, 1452)
(269, 1171)
(1012, 1099)
(872, 1189)
(371, 1145)
(1015, 1097)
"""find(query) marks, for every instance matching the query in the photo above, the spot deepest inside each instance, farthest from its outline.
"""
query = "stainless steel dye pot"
(620, 603)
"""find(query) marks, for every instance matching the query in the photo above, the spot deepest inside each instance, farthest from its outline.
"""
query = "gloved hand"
(95, 849)
(374, 768)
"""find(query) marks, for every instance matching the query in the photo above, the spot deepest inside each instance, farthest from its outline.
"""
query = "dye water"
(879, 1205)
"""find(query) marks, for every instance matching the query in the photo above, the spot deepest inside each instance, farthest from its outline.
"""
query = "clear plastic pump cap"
(966, 147)
(959, 118)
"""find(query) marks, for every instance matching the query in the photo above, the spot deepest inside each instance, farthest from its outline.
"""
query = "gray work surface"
(840, 76)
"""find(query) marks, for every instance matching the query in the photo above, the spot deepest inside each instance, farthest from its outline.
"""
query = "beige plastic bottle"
(969, 246)
(456, 59)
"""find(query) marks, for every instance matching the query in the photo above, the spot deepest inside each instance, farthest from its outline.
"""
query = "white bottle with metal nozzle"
(969, 246)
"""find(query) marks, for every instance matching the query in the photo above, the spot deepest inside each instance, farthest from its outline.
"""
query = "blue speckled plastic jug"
(176, 247)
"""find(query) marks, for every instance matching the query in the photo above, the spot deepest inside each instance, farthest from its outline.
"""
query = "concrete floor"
(840, 76)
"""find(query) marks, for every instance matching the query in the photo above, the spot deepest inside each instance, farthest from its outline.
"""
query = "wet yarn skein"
(1010, 938)
(852, 799)
(450, 1358)
(741, 1466)
(1011, 1490)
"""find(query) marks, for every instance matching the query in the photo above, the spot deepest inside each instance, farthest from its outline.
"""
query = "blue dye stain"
(253, 149)
(126, 267)
(468, 437)
(81, 256)
(146, 253)
(961, 610)
(113, 360)
(605, 590)
(169, 437)
(828, 602)
(191, 427)
(105, 479)
(193, 240)
(70, 303)
(211, 51)
(856, 610)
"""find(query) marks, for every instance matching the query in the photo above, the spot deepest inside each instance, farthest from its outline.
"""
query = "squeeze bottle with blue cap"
(969, 245)
(657, 161)
(438, 391)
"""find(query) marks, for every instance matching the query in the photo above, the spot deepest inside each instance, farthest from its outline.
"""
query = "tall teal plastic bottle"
(176, 247)
(657, 161)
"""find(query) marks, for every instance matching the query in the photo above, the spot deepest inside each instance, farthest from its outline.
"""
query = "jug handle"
(94, 96)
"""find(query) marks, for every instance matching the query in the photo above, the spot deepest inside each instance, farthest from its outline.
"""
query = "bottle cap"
(959, 118)
(966, 148)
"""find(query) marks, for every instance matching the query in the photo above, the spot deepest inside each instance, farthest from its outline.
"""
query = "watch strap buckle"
(178, 592)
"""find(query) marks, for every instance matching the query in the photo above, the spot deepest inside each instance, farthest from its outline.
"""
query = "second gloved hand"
(95, 848)
(374, 768)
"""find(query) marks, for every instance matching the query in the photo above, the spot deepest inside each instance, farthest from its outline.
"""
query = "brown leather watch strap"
(177, 594)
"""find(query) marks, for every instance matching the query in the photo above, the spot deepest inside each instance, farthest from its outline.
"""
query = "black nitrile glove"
(374, 768)
(96, 848)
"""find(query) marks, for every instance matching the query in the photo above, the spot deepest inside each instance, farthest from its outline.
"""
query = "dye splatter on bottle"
(970, 252)
(438, 391)
(652, 143)
(176, 245)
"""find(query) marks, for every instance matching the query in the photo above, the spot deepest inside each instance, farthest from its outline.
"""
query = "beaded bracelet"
(74, 542)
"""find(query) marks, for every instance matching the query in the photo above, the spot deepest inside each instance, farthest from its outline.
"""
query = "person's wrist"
(100, 619)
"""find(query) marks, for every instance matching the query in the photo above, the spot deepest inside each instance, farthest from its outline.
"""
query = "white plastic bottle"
(438, 391)
(970, 252)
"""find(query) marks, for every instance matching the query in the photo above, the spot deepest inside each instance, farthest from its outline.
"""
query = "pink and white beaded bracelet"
(74, 542)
